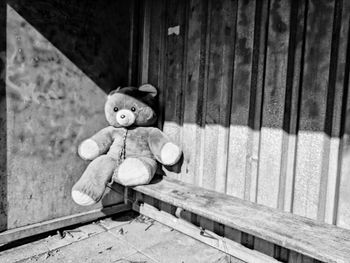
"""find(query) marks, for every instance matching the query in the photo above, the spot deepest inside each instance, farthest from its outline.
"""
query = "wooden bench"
(317, 240)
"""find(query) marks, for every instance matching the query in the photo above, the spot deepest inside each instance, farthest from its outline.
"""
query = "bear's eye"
(115, 109)
(133, 109)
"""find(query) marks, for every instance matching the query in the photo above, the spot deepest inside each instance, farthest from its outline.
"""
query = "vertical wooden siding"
(255, 92)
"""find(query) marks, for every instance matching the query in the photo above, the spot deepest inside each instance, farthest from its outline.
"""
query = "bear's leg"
(92, 184)
(135, 171)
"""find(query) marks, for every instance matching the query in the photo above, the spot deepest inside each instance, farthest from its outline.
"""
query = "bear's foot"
(135, 171)
(87, 192)
(82, 199)
(92, 184)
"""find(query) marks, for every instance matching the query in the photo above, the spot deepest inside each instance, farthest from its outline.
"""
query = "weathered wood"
(232, 234)
(156, 67)
(272, 134)
(193, 93)
(257, 91)
(133, 44)
(145, 41)
(342, 80)
(3, 120)
(203, 113)
(175, 48)
(313, 142)
(279, 139)
(208, 237)
(218, 103)
(241, 92)
(315, 239)
(335, 105)
(57, 223)
(290, 122)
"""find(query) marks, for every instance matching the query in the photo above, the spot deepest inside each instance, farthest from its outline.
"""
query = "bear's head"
(130, 106)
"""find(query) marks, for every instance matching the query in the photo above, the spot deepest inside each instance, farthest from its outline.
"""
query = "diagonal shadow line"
(69, 27)
(95, 38)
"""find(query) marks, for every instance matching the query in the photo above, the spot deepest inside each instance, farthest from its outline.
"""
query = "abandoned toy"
(127, 151)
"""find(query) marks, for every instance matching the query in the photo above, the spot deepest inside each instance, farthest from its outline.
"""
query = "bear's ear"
(113, 92)
(149, 89)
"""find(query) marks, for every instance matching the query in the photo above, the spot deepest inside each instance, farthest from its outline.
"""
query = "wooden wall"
(59, 60)
(256, 93)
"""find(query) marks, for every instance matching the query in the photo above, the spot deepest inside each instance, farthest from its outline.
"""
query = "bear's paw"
(170, 154)
(88, 150)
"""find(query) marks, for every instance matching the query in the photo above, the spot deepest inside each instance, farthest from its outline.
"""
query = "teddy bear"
(128, 151)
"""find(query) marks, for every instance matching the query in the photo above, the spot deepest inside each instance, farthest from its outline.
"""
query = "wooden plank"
(205, 95)
(241, 92)
(133, 44)
(335, 104)
(193, 93)
(257, 91)
(174, 246)
(272, 134)
(256, 114)
(281, 253)
(312, 238)
(343, 207)
(264, 246)
(295, 257)
(218, 103)
(290, 125)
(232, 234)
(208, 237)
(312, 166)
(3, 120)
(57, 223)
(175, 48)
(156, 67)
(145, 41)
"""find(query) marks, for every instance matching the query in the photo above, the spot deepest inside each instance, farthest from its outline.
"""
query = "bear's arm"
(162, 148)
(97, 144)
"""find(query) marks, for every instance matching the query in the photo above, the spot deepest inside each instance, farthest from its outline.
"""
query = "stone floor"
(126, 238)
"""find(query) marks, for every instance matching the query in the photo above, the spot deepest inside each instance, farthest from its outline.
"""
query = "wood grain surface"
(318, 240)
(262, 110)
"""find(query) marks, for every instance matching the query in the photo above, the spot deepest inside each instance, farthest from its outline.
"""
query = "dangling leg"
(135, 171)
(92, 184)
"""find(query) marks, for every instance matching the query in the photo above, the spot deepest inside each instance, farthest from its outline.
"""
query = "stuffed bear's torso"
(136, 142)
(128, 150)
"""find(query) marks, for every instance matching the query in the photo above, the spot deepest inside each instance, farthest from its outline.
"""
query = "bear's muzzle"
(125, 118)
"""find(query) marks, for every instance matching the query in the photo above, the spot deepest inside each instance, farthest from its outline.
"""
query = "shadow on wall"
(241, 78)
(274, 64)
(61, 58)
(94, 35)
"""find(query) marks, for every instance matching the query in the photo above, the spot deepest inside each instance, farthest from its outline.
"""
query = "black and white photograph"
(174, 131)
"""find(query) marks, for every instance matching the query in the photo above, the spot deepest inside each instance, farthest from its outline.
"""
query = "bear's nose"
(122, 116)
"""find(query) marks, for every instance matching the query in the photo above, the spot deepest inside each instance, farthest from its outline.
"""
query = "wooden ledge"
(318, 240)
(42, 227)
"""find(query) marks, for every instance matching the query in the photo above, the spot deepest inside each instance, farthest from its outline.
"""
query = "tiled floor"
(122, 239)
